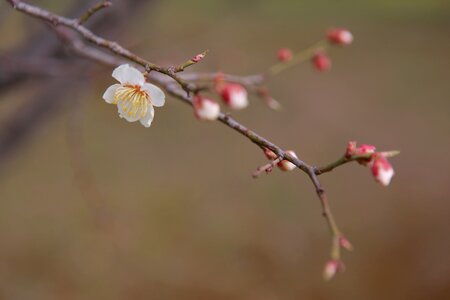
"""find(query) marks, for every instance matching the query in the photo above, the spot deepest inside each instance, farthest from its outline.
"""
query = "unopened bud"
(332, 267)
(206, 109)
(265, 95)
(234, 95)
(321, 61)
(286, 165)
(269, 154)
(198, 57)
(381, 169)
(350, 150)
(344, 243)
(284, 54)
(340, 36)
(362, 150)
(365, 149)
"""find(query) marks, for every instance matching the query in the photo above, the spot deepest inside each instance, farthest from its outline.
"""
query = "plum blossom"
(133, 96)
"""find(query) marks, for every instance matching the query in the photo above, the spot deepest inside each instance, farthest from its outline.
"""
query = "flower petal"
(147, 120)
(126, 74)
(157, 96)
(123, 113)
(110, 93)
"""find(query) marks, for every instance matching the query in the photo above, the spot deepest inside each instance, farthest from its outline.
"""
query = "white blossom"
(133, 96)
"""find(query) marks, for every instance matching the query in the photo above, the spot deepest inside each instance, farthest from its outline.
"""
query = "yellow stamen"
(133, 100)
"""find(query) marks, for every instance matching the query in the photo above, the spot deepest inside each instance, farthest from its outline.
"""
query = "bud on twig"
(263, 92)
(234, 95)
(340, 36)
(350, 150)
(284, 54)
(332, 267)
(381, 169)
(286, 165)
(269, 154)
(191, 61)
(199, 57)
(206, 109)
(362, 150)
(321, 61)
(344, 243)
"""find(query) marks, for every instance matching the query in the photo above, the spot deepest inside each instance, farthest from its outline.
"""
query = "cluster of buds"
(233, 95)
(365, 154)
(336, 36)
(335, 265)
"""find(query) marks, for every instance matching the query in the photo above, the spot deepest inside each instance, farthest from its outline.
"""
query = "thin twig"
(266, 168)
(343, 160)
(88, 35)
(297, 58)
(91, 11)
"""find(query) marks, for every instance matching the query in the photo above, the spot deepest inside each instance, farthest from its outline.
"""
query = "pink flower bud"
(340, 36)
(362, 150)
(350, 150)
(344, 243)
(198, 57)
(332, 267)
(321, 61)
(381, 169)
(286, 165)
(271, 102)
(270, 154)
(234, 95)
(284, 54)
(206, 109)
(365, 149)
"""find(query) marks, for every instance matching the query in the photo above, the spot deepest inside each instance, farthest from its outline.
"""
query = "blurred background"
(93, 207)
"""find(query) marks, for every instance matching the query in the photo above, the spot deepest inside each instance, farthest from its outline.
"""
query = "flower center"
(133, 100)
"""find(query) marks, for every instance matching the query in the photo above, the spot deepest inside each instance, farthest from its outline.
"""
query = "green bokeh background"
(190, 222)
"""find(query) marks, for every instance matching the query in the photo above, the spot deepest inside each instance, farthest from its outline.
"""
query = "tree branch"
(183, 91)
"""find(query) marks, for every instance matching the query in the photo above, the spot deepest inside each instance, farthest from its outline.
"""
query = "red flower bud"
(340, 36)
(350, 150)
(365, 149)
(198, 57)
(270, 154)
(321, 61)
(381, 169)
(206, 109)
(284, 54)
(234, 95)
